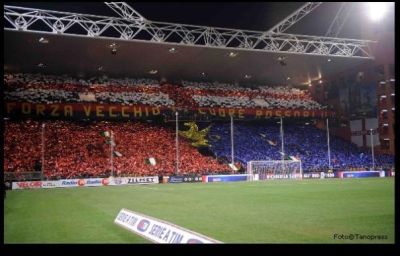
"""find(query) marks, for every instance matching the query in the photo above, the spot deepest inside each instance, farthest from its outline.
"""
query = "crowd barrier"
(361, 174)
(227, 178)
(117, 181)
(319, 175)
(182, 179)
(91, 182)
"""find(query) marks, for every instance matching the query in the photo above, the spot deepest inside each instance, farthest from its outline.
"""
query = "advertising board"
(159, 231)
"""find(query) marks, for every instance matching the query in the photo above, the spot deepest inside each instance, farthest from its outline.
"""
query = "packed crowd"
(257, 102)
(219, 101)
(305, 142)
(229, 95)
(47, 96)
(57, 89)
(77, 149)
(129, 98)
(54, 89)
(211, 85)
(33, 80)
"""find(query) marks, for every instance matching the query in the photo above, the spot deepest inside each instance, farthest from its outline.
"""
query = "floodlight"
(377, 10)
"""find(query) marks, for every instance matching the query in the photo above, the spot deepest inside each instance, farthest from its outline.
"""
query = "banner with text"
(361, 174)
(227, 178)
(114, 111)
(26, 184)
(184, 179)
(92, 182)
(159, 231)
(51, 184)
(133, 180)
(318, 175)
(267, 176)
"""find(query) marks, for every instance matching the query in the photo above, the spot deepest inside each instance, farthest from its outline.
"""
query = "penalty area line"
(149, 188)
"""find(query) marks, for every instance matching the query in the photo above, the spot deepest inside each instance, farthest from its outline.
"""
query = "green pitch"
(280, 211)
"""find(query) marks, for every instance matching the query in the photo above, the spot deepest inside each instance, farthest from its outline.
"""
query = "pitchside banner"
(91, 182)
(51, 184)
(315, 175)
(184, 179)
(26, 184)
(159, 231)
(318, 175)
(361, 174)
(279, 176)
(133, 180)
(113, 111)
(227, 178)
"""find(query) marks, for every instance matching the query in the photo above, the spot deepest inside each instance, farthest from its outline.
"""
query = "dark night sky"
(259, 16)
(252, 16)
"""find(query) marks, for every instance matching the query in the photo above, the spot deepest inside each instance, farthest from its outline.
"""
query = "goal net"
(275, 169)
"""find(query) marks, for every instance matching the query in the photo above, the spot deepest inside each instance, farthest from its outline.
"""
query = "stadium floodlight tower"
(341, 17)
(294, 17)
(125, 11)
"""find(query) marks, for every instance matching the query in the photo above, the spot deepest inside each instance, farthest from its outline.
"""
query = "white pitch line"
(150, 188)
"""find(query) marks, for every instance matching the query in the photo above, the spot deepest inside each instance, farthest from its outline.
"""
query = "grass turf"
(277, 211)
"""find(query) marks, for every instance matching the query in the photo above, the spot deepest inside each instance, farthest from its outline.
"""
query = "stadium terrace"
(122, 125)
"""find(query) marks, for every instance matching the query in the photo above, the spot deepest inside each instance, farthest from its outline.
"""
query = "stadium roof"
(90, 56)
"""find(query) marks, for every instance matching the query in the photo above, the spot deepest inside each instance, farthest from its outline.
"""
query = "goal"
(275, 169)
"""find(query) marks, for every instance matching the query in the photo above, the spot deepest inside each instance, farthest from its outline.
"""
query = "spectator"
(76, 149)
(261, 141)
(63, 89)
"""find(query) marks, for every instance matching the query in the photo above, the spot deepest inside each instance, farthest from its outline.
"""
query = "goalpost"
(275, 169)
